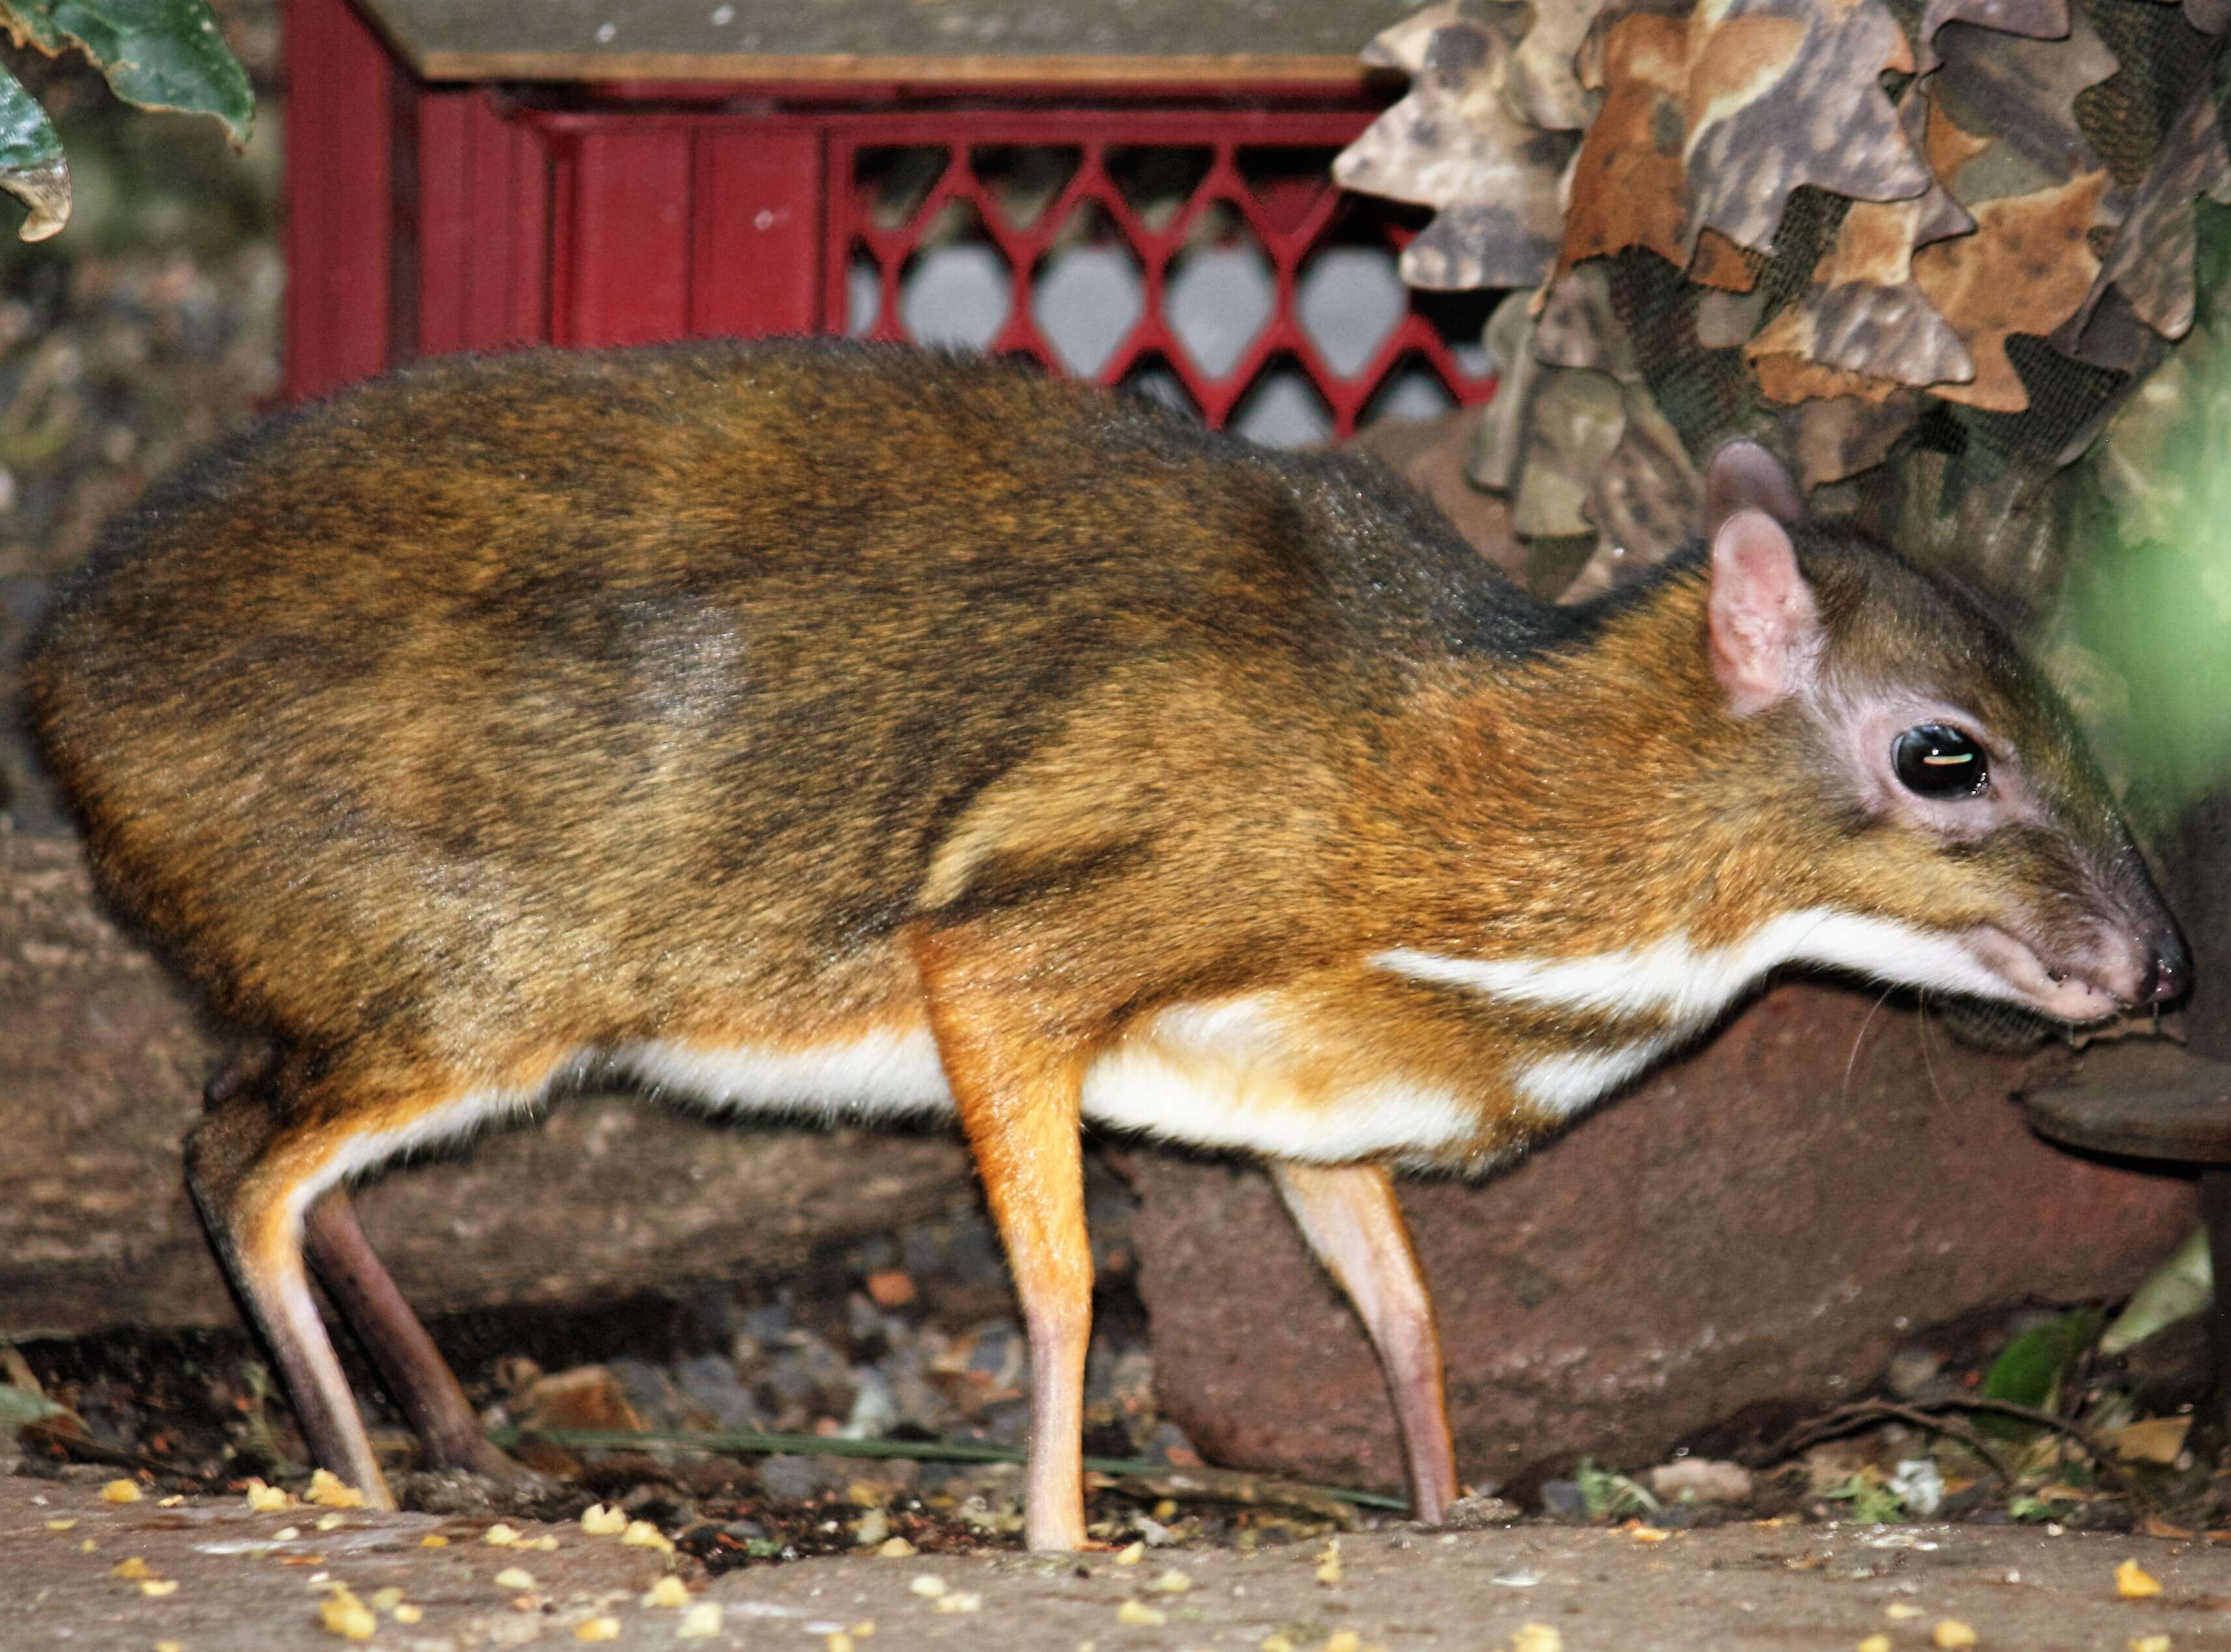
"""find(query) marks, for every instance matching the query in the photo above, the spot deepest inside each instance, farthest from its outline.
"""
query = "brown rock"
(1759, 1225)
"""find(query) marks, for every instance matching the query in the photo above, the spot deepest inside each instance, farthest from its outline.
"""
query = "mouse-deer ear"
(1765, 634)
(1744, 476)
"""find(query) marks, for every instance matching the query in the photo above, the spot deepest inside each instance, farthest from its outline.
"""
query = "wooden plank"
(758, 235)
(978, 42)
(338, 233)
(621, 257)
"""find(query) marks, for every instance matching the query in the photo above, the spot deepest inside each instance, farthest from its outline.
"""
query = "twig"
(1220, 1485)
(1845, 1419)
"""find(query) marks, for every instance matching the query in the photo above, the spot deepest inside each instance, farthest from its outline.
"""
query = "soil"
(239, 1584)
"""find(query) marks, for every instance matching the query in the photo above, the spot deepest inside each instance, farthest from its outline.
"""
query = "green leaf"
(2180, 1287)
(2029, 1371)
(32, 167)
(157, 54)
(20, 1407)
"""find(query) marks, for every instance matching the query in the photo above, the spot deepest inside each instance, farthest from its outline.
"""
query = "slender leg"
(420, 1379)
(249, 1173)
(1018, 1105)
(1350, 1217)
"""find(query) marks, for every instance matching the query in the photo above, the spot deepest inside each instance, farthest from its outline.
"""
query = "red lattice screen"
(1168, 194)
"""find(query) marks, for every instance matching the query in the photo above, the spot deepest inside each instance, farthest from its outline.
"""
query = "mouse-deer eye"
(1937, 760)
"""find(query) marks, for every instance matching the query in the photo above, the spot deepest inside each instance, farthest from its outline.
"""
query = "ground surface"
(238, 1585)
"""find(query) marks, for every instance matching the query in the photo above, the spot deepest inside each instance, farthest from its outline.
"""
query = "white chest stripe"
(1692, 986)
(1563, 1085)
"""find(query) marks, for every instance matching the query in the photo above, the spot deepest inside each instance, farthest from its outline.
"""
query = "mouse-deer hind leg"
(1019, 1097)
(251, 1173)
(1350, 1217)
(257, 1166)
(415, 1374)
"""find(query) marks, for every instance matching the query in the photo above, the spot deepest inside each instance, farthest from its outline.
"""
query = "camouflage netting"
(1922, 248)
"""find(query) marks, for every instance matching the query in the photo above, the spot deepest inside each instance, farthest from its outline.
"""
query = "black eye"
(1937, 761)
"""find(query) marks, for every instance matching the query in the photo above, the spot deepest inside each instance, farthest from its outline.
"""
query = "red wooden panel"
(337, 197)
(620, 247)
(757, 238)
(482, 253)
(443, 232)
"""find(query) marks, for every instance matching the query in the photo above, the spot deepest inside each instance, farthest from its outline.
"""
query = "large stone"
(1756, 1231)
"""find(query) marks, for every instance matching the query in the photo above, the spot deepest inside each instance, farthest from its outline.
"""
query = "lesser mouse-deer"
(856, 732)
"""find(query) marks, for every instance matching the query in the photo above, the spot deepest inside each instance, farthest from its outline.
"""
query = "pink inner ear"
(1765, 629)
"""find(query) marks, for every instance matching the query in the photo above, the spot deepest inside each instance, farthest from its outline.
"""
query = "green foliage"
(156, 53)
(1872, 1503)
(2029, 1371)
(2147, 620)
(1609, 1494)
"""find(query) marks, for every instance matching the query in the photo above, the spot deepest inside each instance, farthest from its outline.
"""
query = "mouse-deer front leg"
(1350, 1217)
(1018, 1094)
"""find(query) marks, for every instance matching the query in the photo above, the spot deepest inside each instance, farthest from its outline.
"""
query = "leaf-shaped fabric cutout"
(1785, 93)
(1710, 122)
(1452, 144)
(1402, 46)
(32, 166)
(1944, 149)
(1543, 83)
(1838, 437)
(2039, 19)
(2026, 269)
(1629, 187)
(1863, 314)
(157, 54)
(2151, 258)
(2208, 16)
(2024, 92)
(1646, 502)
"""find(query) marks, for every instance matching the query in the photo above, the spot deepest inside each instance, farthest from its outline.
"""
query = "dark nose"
(2169, 972)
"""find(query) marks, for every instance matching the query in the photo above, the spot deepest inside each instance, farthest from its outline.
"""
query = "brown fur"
(503, 713)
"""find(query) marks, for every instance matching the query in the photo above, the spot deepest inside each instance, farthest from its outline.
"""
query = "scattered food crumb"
(1538, 1638)
(2134, 1582)
(642, 1534)
(387, 1599)
(433, 1540)
(1329, 1563)
(499, 1536)
(119, 1491)
(962, 1600)
(516, 1578)
(1172, 1582)
(2150, 1643)
(1951, 1633)
(1899, 1610)
(171, 1501)
(599, 1521)
(407, 1613)
(1138, 1612)
(1344, 1640)
(331, 1522)
(700, 1623)
(597, 1629)
(180, 1646)
(129, 1569)
(1876, 1642)
(287, 1534)
(668, 1590)
(929, 1584)
(1128, 1555)
(328, 1490)
(896, 1548)
(61, 1526)
(343, 1614)
(158, 1587)
(1274, 1642)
